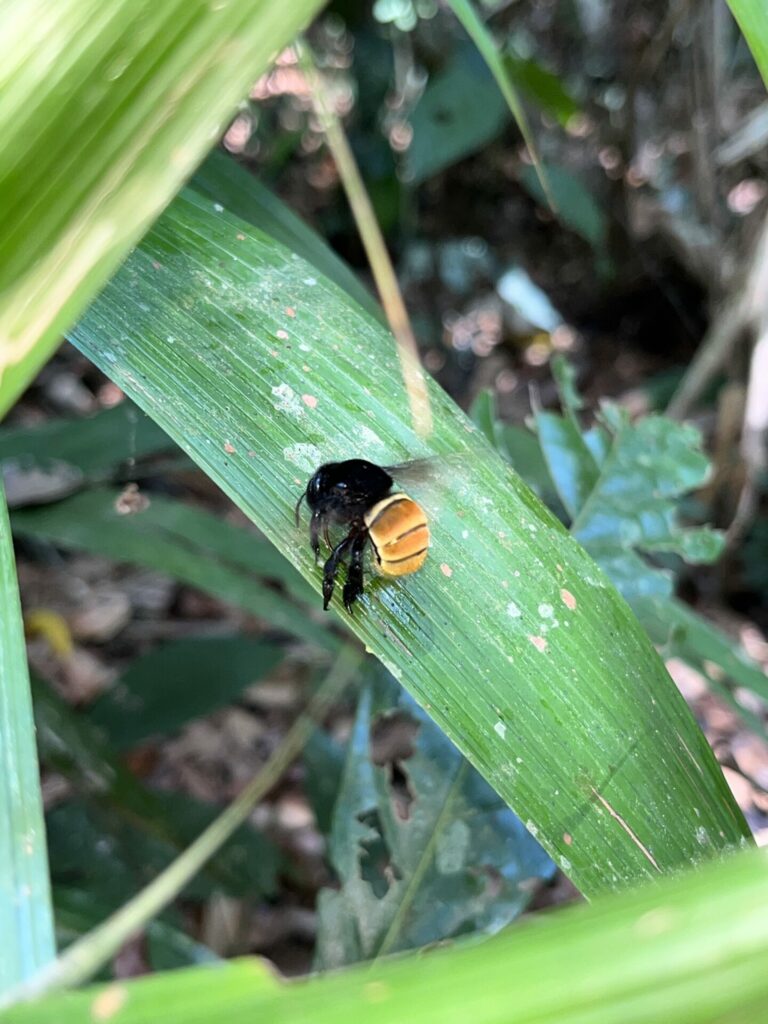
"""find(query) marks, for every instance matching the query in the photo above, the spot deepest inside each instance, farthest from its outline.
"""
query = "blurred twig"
(741, 312)
(755, 429)
(375, 248)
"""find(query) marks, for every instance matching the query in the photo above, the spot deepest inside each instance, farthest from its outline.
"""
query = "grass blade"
(691, 950)
(26, 922)
(752, 20)
(484, 41)
(510, 636)
(108, 105)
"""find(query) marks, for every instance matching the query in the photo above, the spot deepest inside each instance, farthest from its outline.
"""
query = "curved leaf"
(106, 109)
(510, 637)
(690, 952)
(26, 922)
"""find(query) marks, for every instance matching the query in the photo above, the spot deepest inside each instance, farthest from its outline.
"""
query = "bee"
(360, 496)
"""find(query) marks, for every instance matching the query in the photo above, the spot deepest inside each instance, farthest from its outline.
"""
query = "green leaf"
(576, 207)
(177, 682)
(750, 15)
(483, 39)
(323, 759)
(686, 635)
(167, 946)
(569, 461)
(516, 444)
(510, 635)
(689, 950)
(95, 445)
(431, 856)
(108, 106)
(460, 111)
(26, 923)
(541, 86)
(191, 545)
(632, 505)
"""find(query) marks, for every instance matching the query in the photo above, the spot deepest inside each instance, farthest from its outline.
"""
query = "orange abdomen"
(398, 529)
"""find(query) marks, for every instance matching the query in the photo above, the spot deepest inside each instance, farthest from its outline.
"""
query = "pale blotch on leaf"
(513, 611)
(446, 570)
(452, 846)
(310, 401)
(568, 599)
(287, 400)
(501, 729)
(109, 1002)
(305, 456)
(539, 643)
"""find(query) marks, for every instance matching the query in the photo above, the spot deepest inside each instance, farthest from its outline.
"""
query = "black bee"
(359, 494)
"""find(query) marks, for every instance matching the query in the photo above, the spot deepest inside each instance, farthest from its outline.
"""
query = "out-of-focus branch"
(375, 248)
(742, 312)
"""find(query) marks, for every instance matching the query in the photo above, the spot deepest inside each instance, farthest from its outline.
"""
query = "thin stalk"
(375, 247)
(486, 45)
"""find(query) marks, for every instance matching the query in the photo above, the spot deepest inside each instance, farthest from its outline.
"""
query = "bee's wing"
(414, 470)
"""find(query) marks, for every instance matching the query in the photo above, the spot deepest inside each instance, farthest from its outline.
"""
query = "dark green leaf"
(168, 948)
(424, 848)
(177, 682)
(191, 545)
(576, 206)
(147, 826)
(95, 445)
(26, 922)
(460, 111)
(542, 87)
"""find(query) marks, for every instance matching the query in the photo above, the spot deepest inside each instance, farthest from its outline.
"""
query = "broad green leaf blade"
(690, 951)
(510, 636)
(451, 859)
(26, 924)
(177, 682)
(752, 20)
(108, 105)
(223, 180)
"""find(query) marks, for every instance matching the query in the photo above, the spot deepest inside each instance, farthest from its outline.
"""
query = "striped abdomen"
(399, 534)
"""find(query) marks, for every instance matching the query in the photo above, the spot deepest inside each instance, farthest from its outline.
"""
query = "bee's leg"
(315, 524)
(353, 588)
(331, 568)
(326, 534)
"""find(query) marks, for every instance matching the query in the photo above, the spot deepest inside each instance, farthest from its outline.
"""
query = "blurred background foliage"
(171, 645)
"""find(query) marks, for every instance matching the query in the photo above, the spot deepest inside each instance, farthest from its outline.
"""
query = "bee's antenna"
(297, 511)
